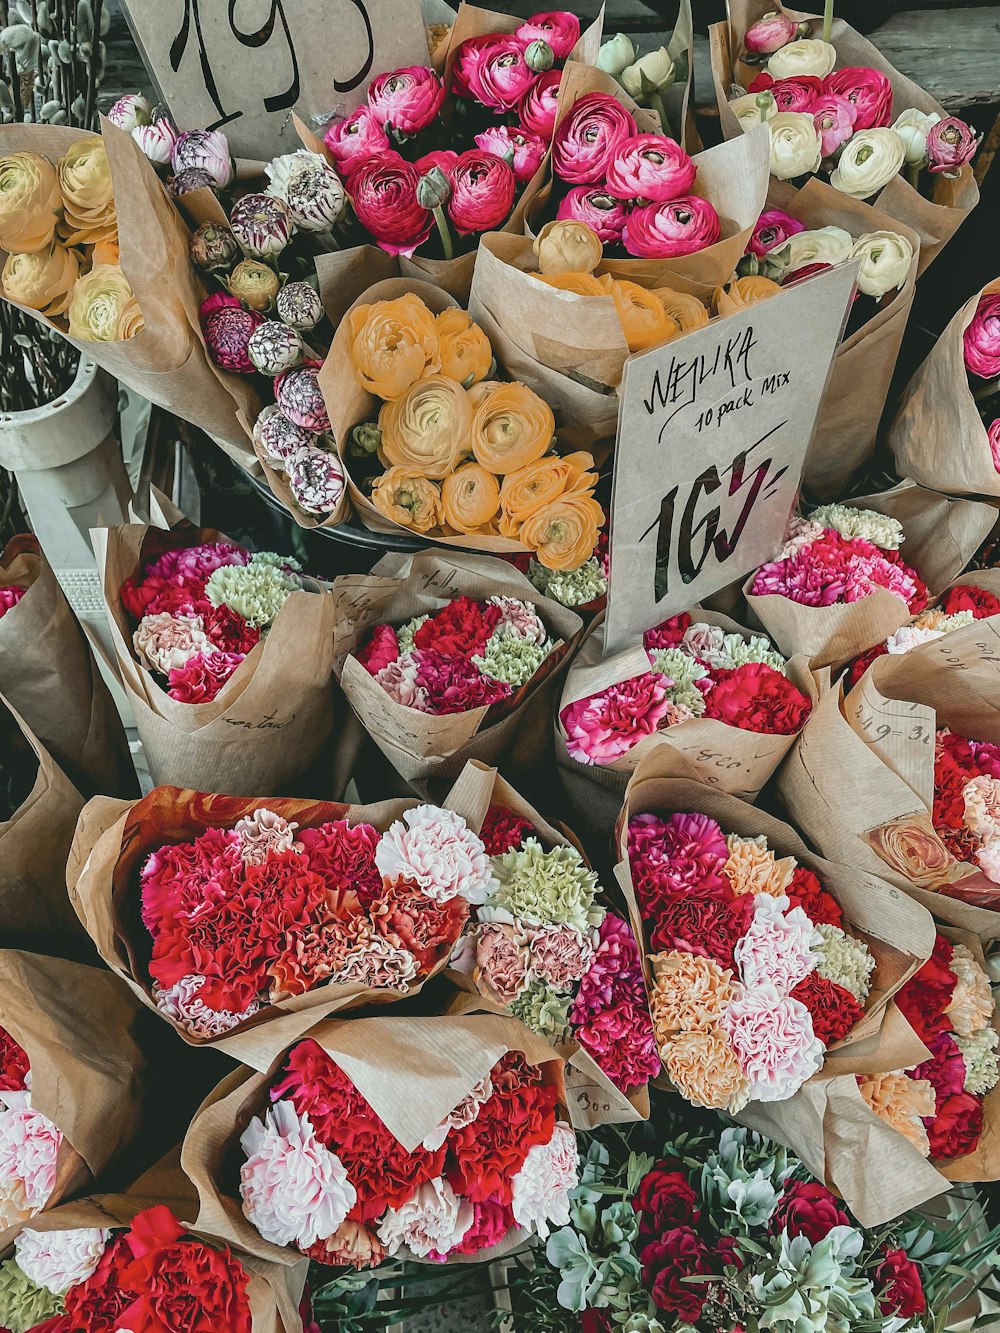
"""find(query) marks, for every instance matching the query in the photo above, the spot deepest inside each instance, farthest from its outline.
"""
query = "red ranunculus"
(461, 629)
(755, 697)
(445, 158)
(924, 998)
(558, 28)
(503, 830)
(868, 89)
(902, 1292)
(482, 191)
(384, 194)
(967, 597)
(665, 1199)
(833, 1009)
(808, 1209)
(355, 139)
(797, 93)
(807, 892)
(678, 1254)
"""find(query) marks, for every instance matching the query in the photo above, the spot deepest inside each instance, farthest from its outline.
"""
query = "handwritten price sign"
(713, 431)
(245, 65)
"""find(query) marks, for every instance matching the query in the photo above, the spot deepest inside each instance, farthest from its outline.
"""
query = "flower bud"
(299, 305)
(130, 111)
(433, 189)
(213, 248)
(770, 33)
(651, 73)
(261, 224)
(912, 127)
(277, 437)
(539, 56)
(275, 348)
(156, 140)
(616, 55)
(316, 480)
(254, 283)
(195, 178)
(950, 144)
(567, 246)
(365, 439)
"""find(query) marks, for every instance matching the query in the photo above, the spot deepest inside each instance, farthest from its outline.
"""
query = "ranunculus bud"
(298, 394)
(796, 146)
(588, 137)
(434, 189)
(651, 73)
(539, 56)
(885, 261)
(261, 224)
(156, 140)
(130, 111)
(254, 283)
(557, 28)
(603, 213)
(522, 149)
(616, 54)
(650, 168)
(384, 195)
(482, 192)
(274, 348)
(208, 149)
(772, 228)
(950, 144)
(227, 329)
(406, 99)
(316, 480)
(770, 34)
(912, 126)
(310, 187)
(867, 162)
(213, 248)
(298, 304)
(195, 178)
(669, 231)
(277, 437)
(805, 56)
(567, 247)
(365, 439)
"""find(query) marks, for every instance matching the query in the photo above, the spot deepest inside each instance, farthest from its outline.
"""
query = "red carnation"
(462, 628)
(381, 648)
(679, 1254)
(861, 664)
(808, 1209)
(755, 697)
(924, 998)
(14, 1065)
(665, 1199)
(503, 830)
(228, 631)
(669, 634)
(709, 926)
(202, 676)
(807, 892)
(967, 597)
(97, 1303)
(902, 1292)
(956, 1128)
(833, 1009)
(344, 854)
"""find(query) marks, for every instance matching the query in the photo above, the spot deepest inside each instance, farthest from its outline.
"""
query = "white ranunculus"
(822, 245)
(806, 56)
(912, 126)
(869, 160)
(749, 114)
(796, 145)
(616, 54)
(653, 70)
(885, 261)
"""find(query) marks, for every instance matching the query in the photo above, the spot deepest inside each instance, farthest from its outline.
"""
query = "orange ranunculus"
(684, 309)
(466, 354)
(88, 194)
(744, 292)
(427, 427)
(408, 499)
(30, 203)
(393, 344)
(563, 533)
(131, 321)
(644, 321)
(107, 251)
(511, 428)
(478, 393)
(580, 284)
(43, 280)
(470, 498)
(525, 492)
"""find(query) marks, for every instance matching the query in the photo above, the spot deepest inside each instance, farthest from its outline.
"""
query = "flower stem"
(444, 233)
(827, 20)
(656, 102)
(986, 390)
(913, 175)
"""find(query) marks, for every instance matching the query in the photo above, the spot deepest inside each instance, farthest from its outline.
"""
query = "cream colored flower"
(885, 262)
(654, 70)
(821, 245)
(130, 322)
(42, 280)
(971, 1005)
(30, 203)
(749, 114)
(796, 145)
(567, 246)
(869, 160)
(100, 298)
(805, 56)
(902, 1102)
(982, 807)
(752, 868)
(912, 125)
(88, 194)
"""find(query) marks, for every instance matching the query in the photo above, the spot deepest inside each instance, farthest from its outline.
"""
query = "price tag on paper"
(713, 432)
(243, 66)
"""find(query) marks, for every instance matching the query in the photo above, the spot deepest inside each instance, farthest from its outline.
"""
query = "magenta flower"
(773, 228)
(603, 727)
(527, 149)
(558, 28)
(683, 854)
(834, 117)
(352, 141)
(407, 99)
(982, 338)
(950, 144)
(453, 685)
(228, 329)
(381, 649)
(10, 596)
(668, 231)
(621, 1041)
(602, 212)
(614, 975)
(650, 167)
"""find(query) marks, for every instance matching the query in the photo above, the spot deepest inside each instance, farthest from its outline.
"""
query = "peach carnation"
(971, 1006)
(751, 868)
(902, 1102)
(690, 992)
(705, 1070)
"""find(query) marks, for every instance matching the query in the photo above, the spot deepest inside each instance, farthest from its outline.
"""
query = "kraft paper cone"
(272, 719)
(935, 220)
(411, 1071)
(48, 673)
(735, 761)
(424, 749)
(166, 361)
(864, 363)
(940, 537)
(938, 436)
(77, 1026)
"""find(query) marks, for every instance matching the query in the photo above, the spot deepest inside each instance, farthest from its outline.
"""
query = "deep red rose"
(229, 631)
(868, 90)
(595, 1321)
(861, 664)
(14, 1065)
(833, 1009)
(461, 628)
(384, 194)
(807, 892)
(503, 830)
(808, 1209)
(482, 191)
(755, 697)
(669, 634)
(427, 928)
(344, 854)
(924, 998)
(664, 1200)
(797, 93)
(709, 926)
(901, 1291)
(967, 597)
(727, 1255)
(956, 1128)
(679, 1253)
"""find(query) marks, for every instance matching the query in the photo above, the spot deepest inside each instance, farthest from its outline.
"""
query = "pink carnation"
(436, 850)
(202, 677)
(614, 975)
(379, 964)
(492, 1222)
(683, 854)
(194, 564)
(835, 569)
(502, 959)
(668, 635)
(399, 680)
(454, 685)
(29, 1148)
(559, 954)
(10, 595)
(780, 946)
(603, 727)
(621, 1041)
(774, 1042)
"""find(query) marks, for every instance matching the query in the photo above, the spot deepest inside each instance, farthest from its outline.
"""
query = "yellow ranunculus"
(408, 498)
(530, 488)
(563, 533)
(644, 321)
(579, 284)
(254, 283)
(43, 280)
(130, 321)
(30, 203)
(687, 312)
(99, 299)
(88, 194)
(427, 427)
(744, 292)
(470, 498)
(466, 354)
(393, 344)
(567, 246)
(511, 428)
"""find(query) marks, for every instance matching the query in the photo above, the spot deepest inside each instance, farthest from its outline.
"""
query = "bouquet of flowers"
(434, 1139)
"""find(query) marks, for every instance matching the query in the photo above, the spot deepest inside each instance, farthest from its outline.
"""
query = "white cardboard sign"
(713, 432)
(243, 66)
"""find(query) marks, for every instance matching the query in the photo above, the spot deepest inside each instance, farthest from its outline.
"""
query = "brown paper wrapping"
(48, 673)
(166, 361)
(935, 220)
(275, 715)
(427, 750)
(733, 176)
(411, 1071)
(899, 937)
(724, 757)
(77, 1026)
(940, 538)
(937, 436)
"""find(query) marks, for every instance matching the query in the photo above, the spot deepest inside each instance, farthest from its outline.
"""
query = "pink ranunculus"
(482, 191)
(770, 34)
(774, 1042)
(652, 168)
(982, 338)
(868, 89)
(10, 595)
(445, 158)
(796, 93)
(406, 99)
(352, 141)
(558, 27)
(602, 212)
(603, 727)
(588, 137)
(993, 435)
(668, 231)
(772, 228)
(384, 194)
(834, 116)
(495, 72)
(436, 850)
(537, 108)
(528, 149)
(950, 144)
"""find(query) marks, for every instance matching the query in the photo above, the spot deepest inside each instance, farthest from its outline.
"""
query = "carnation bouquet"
(439, 1140)
(834, 104)
(448, 658)
(851, 574)
(955, 391)
(226, 656)
(721, 695)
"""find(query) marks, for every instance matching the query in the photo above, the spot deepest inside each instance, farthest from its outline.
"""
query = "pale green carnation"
(406, 633)
(22, 1304)
(571, 587)
(510, 658)
(871, 526)
(683, 670)
(736, 651)
(255, 592)
(957, 620)
(846, 961)
(543, 1010)
(982, 1063)
(546, 888)
(273, 558)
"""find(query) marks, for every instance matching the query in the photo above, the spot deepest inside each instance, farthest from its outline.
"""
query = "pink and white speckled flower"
(520, 618)
(436, 849)
(774, 1041)
(541, 1189)
(400, 680)
(264, 834)
(168, 640)
(430, 1223)
(180, 1002)
(781, 945)
(58, 1260)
